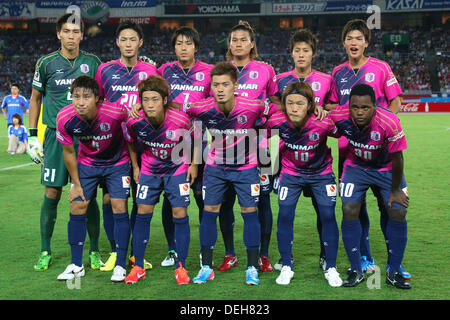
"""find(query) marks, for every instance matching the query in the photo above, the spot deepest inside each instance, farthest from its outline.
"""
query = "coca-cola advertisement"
(425, 107)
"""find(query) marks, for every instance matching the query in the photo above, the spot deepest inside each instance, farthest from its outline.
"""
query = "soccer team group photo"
(212, 157)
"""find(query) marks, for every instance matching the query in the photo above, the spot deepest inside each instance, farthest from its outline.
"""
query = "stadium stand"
(409, 65)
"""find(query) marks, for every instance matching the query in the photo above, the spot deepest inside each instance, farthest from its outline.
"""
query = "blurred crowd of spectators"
(19, 53)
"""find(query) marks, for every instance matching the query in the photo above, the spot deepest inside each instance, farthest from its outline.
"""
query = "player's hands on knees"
(35, 150)
(399, 197)
(192, 173)
(75, 192)
(320, 112)
(134, 112)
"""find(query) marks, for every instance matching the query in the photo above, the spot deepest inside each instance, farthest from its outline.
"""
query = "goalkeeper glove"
(147, 59)
(34, 149)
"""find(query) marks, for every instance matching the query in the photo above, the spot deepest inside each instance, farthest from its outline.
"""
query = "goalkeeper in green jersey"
(51, 88)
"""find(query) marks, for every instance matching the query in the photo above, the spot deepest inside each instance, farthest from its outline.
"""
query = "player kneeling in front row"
(306, 163)
(230, 119)
(102, 155)
(161, 129)
(376, 142)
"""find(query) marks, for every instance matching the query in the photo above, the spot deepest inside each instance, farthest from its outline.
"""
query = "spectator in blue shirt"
(17, 135)
(14, 103)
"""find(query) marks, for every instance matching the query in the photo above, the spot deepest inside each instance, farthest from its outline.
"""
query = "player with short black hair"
(118, 81)
(189, 80)
(13, 104)
(363, 69)
(375, 160)
(230, 119)
(161, 130)
(102, 156)
(54, 74)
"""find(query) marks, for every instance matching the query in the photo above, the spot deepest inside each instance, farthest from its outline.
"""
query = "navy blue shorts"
(198, 182)
(266, 182)
(217, 180)
(176, 188)
(116, 178)
(322, 186)
(356, 180)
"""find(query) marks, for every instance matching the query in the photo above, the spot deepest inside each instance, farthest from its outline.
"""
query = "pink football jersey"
(229, 147)
(304, 152)
(195, 85)
(320, 83)
(374, 72)
(257, 80)
(371, 147)
(118, 84)
(159, 143)
(101, 142)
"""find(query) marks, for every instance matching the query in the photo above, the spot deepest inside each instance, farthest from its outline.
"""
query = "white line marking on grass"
(427, 132)
(15, 167)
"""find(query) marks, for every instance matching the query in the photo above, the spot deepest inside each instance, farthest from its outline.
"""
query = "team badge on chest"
(84, 68)
(242, 119)
(314, 136)
(253, 75)
(375, 136)
(199, 76)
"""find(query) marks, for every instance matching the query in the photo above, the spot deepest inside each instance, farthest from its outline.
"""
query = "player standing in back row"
(189, 81)
(303, 49)
(256, 80)
(118, 81)
(232, 162)
(362, 69)
(54, 74)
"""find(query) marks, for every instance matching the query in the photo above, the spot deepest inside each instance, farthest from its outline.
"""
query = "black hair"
(303, 35)
(359, 25)
(85, 82)
(363, 90)
(224, 68)
(17, 116)
(71, 18)
(189, 33)
(130, 25)
(245, 26)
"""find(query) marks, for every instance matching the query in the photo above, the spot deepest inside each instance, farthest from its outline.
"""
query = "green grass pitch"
(427, 254)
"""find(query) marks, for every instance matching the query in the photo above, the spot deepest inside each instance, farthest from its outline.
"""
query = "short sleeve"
(39, 79)
(332, 95)
(391, 87)
(61, 133)
(131, 135)
(396, 137)
(25, 133)
(272, 87)
(98, 78)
